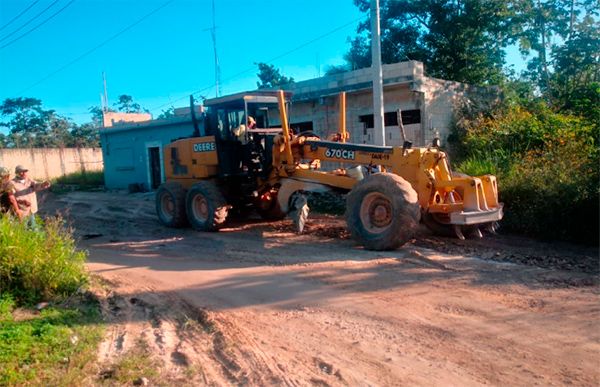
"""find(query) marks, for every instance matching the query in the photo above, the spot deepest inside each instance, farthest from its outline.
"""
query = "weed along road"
(258, 304)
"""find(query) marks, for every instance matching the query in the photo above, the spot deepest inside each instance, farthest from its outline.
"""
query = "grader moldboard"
(229, 166)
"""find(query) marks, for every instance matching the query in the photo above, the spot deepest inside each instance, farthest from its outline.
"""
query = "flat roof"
(146, 124)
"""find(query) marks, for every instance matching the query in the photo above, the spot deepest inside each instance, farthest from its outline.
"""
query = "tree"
(541, 22)
(26, 120)
(575, 83)
(270, 77)
(30, 125)
(336, 69)
(126, 104)
(85, 136)
(168, 113)
(457, 40)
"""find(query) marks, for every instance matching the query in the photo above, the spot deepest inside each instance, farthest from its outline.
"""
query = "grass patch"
(134, 365)
(56, 346)
(79, 180)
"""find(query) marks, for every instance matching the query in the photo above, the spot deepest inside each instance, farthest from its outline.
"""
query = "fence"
(48, 163)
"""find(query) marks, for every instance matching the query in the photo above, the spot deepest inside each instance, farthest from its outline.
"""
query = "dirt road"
(257, 304)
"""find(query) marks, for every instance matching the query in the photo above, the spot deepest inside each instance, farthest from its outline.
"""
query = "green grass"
(82, 180)
(39, 265)
(56, 346)
(133, 365)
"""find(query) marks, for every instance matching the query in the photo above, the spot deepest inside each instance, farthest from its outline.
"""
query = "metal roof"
(249, 96)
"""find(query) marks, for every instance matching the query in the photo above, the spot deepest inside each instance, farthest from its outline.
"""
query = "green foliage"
(30, 125)
(547, 165)
(39, 264)
(55, 347)
(7, 304)
(460, 41)
(168, 113)
(83, 179)
(270, 77)
(126, 104)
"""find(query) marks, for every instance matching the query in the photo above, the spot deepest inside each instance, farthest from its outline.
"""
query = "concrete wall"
(126, 150)
(48, 163)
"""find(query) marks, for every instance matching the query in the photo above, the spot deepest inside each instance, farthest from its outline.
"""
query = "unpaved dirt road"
(257, 304)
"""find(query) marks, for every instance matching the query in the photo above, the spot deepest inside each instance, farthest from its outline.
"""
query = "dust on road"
(257, 304)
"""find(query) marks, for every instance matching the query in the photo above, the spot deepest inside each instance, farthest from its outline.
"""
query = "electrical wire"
(88, 52)
(29, 21)
(250, 69)
(37, 26)
(19, 15)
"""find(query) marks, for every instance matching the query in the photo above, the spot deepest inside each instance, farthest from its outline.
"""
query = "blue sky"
(168, 55)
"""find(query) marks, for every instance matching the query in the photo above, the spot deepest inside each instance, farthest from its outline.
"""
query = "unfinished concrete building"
(428, 104)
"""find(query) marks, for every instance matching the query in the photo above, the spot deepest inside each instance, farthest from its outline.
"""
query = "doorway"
(154, 166)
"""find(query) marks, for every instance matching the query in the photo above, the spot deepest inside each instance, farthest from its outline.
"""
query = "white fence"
(48, 163)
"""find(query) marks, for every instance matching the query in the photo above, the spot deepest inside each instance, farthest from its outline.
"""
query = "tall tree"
(270, 77)
(575, 83)
(30, 125)
(461, 40)
(126, 104)
(26, 120)
(543, 26)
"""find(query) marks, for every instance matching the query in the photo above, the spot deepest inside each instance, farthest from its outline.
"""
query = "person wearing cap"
(25, 193)
(8, 201)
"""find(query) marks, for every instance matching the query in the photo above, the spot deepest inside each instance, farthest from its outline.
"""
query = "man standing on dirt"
(7, 194)
(25, 190)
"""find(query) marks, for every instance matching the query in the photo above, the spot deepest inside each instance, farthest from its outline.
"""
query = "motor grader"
(228, 166)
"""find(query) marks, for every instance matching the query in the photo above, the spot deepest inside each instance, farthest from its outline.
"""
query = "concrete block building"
(428, 104)
(133, 152)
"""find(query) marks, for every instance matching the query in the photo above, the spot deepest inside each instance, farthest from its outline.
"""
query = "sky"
(161, 51)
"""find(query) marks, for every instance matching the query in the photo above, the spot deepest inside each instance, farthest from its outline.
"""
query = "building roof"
(250, 96)
(410, 72)
(147, 124)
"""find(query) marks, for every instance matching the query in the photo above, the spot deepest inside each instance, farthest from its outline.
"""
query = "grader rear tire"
(206, 207)
(382, 212)
(170, 205)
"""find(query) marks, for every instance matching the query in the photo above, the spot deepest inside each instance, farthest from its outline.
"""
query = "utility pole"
(213, 31)
(105, 101)
(378, 130)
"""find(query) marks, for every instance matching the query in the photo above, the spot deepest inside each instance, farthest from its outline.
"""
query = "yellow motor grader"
(234, 163)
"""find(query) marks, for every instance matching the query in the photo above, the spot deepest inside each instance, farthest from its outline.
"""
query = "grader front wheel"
(382, 211)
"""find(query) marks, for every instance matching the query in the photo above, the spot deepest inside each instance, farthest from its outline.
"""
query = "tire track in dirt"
(187, 341)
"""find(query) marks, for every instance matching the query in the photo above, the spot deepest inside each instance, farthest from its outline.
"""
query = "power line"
(37, 26)
(29, 21)
(269, 61)
(88, 52)
(19, 15)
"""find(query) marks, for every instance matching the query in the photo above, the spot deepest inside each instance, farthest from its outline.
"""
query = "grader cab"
(231, 165)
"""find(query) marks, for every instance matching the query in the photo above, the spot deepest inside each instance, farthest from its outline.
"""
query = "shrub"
(547, 168)
(89, 179)
(39, 264)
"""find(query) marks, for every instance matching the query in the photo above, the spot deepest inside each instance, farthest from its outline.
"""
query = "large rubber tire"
(206, 207)
(170, 205)
(438, 224)
(382, 211)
